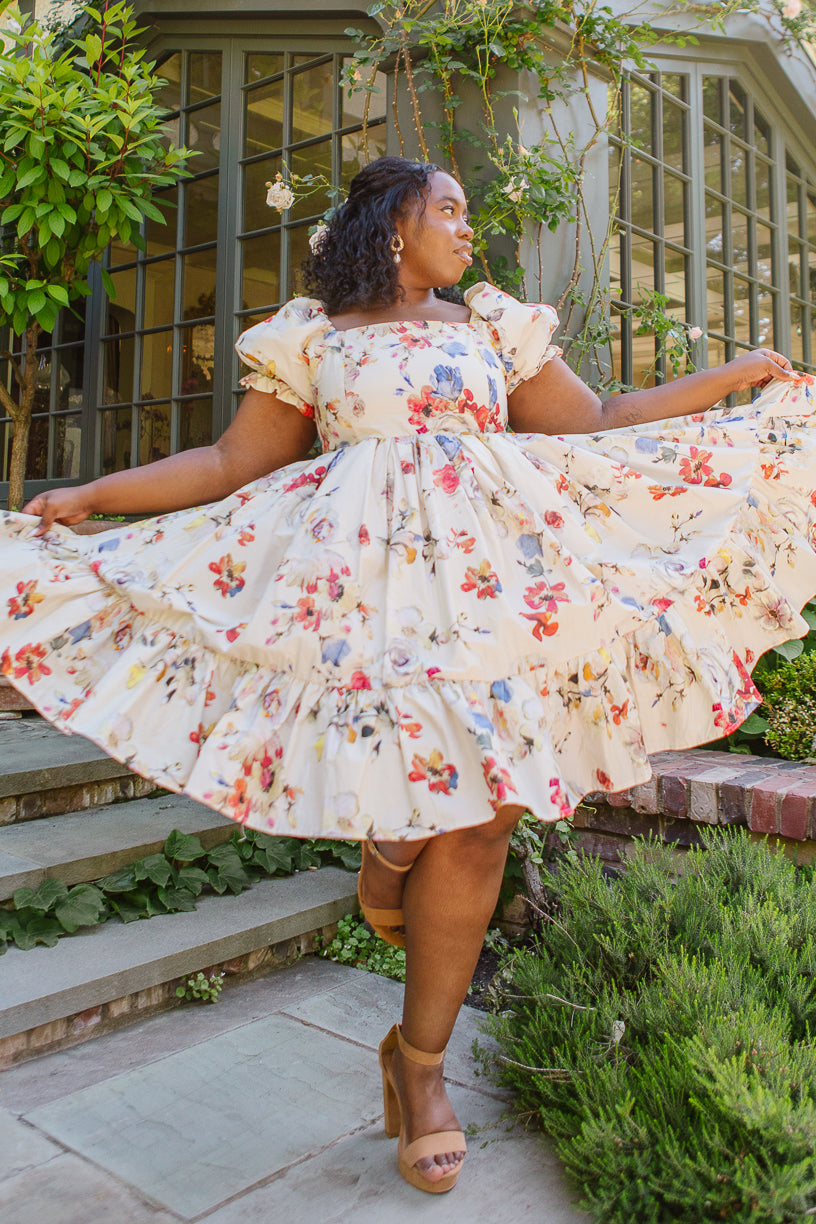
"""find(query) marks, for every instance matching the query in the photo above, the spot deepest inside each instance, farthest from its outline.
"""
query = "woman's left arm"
(556, 401)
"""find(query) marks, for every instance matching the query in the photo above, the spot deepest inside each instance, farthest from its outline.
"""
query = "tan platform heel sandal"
(427, 1145)
(386, 922)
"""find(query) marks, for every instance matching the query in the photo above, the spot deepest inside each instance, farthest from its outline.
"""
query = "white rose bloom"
(316, 239)
(279, 196)
(516, 188)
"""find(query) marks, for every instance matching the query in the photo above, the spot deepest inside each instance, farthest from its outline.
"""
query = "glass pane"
(739, 240)
(674, 83)
(124, 301)
(161, 239)
(203, 134)
(204, 76)
(263, 119)
(717, 352)
(715, 296)
(354, 104)
(674, 193)
(643, 194)
(42, 384)
(764, 267)
(197, 359)
(116, 439)
(201, 211)
(674, 122)
(643, 258)
(711, 99)
(354, 152)
(159, 292)
(674, 265)
(70, 377)
(257, 213)
(715, 228)
(316, 159)
(312, 102)
(117, 367)
(67, 441)
(762, 182)
(737, 110)
(154, 432)
(765, 309)
(261, 282)
(171, 130)
(121, 253)
(810, 213)
(37, 460)
(795, 269)
(195, 423)
(643, 355)
(713, 159)
(742, 311)
(738, 173)
(157, 366)
(640, 113)
(169, 94)
(798, 324)
(762, 133)
(298, 250)
(262, 65)
(72, 322)
(199, 284)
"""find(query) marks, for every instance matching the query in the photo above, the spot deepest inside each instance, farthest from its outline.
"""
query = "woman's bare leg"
(449, 898)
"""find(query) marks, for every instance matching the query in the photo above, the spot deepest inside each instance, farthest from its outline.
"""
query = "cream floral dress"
(435, 616)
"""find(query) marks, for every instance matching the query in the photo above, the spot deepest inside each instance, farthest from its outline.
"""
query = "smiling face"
(437, 240)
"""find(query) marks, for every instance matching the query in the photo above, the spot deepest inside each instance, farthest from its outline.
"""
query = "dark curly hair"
(354, 265)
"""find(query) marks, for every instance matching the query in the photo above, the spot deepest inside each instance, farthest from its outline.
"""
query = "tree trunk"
(21, 416)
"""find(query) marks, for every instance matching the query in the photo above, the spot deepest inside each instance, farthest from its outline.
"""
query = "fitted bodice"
(401, 378)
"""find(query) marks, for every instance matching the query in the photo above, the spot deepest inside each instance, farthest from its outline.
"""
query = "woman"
(435, 624)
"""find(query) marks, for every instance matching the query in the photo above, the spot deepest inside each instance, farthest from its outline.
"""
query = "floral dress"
(435, 616)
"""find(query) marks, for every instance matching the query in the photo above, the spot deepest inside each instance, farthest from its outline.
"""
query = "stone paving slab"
(22, 1147)
(70, 1191)
(208, 1081)
(116, 959)
(203, 1125)
(26, 743)
(91, 844)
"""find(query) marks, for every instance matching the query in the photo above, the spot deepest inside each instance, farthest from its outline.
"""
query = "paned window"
(693, 181)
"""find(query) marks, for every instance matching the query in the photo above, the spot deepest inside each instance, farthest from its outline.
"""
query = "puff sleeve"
(524, 331)
(282, 352)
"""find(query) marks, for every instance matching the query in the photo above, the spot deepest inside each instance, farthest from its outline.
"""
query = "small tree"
(81, 152)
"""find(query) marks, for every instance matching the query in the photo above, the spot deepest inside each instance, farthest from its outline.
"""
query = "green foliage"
(355, 945)
(164, 883)
(662, 1031)
(82, 150)
(785, 723)
(198, 988)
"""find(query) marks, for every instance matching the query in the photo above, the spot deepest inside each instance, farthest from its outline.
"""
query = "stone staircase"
(70, 812)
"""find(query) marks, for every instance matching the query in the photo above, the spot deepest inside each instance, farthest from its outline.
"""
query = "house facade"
(710, 174)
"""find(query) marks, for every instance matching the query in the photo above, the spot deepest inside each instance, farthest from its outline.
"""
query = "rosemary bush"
(662, 1032)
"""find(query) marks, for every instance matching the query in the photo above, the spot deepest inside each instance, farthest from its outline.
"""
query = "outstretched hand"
(758, 368)
(67, 506)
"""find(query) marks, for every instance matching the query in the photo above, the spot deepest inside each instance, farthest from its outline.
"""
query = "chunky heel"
(426, 1145)
(387, 923)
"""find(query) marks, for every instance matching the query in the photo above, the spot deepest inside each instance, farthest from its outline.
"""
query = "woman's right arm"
(266, 434)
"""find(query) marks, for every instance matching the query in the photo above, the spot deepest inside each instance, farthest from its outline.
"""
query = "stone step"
(45, 773)
(91, 844)
(103, 976)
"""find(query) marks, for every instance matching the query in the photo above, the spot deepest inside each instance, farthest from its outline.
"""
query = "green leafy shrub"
(165, 883)
(789, 708)
(198, 988)
(662, 1031)
(355, 945)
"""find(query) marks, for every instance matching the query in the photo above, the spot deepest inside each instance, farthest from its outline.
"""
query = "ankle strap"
(418, 1056)
(372, 845)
